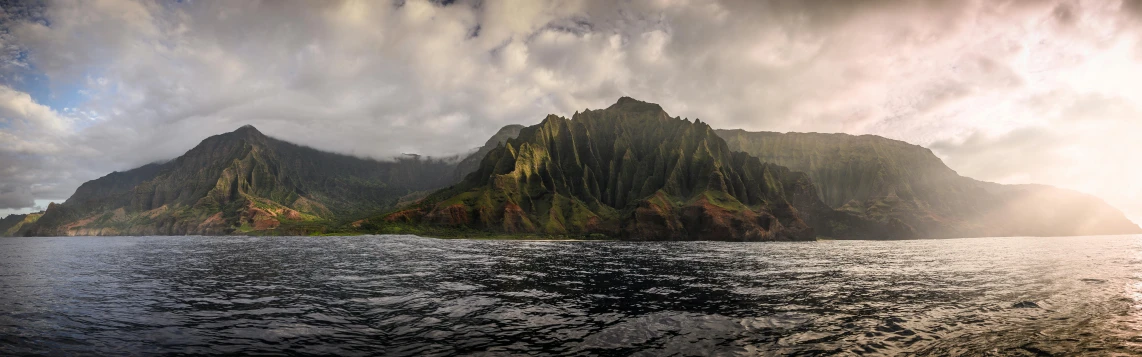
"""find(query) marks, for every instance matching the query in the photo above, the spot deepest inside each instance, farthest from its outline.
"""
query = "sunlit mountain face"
(1012, 92)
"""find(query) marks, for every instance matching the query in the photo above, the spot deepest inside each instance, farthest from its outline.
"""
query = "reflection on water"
(402, 295)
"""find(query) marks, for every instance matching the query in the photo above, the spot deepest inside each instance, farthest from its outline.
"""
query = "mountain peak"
(248, 129)
(630, 104)
(596, 174)
(247, 132)
(627, 100)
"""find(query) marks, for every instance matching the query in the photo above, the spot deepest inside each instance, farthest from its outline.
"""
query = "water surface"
(404, 295)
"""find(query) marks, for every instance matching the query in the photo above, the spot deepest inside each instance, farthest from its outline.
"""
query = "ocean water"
(412, 296)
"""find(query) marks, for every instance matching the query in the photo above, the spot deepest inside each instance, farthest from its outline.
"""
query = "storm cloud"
(1007, 91)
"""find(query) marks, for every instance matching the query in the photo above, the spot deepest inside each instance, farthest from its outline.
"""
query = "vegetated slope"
(10, 221)
(240, 182)
(14, 225)
(472, 162)
(633, 172)
(890, 180)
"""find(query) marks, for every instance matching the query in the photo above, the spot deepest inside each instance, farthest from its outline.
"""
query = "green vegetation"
(242, 182)
(472, 162)
(18, 224)
(629, 171)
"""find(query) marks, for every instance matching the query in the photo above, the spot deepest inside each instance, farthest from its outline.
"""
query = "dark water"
(400, 295)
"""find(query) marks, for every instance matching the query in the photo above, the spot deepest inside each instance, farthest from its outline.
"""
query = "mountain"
(17, 224)
(628, 171)
(472, 162)
(10, 221)
(890, 180)
(241, 182)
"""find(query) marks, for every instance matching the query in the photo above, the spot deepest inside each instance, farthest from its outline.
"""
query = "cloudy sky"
(1007, 91)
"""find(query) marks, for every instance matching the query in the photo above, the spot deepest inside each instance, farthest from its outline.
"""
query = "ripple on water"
(404, 295)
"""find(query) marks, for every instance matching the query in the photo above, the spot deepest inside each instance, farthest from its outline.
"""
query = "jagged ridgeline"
(241, 182)
(629, 171)
(472, 162)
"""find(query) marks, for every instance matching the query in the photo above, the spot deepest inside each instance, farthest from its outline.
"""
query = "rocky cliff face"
(894, 182)
(629, 171)
(239, 182)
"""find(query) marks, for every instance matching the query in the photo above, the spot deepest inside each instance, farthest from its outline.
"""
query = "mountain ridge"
(630, 171)
(883, 178)
(239, 182)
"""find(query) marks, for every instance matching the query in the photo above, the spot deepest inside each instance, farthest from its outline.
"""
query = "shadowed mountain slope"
(884, 179)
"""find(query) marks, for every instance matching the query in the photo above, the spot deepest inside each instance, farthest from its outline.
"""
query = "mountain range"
(890, 180)
(629, 171)
(240, 182)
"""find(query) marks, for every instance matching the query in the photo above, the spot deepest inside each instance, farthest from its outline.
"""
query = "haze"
(1004, 91)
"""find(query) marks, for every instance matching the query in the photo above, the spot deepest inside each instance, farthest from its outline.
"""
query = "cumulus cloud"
(970, 78)
(30, 136)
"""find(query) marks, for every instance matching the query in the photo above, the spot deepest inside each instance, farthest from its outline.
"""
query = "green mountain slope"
(627, 171)
(472, 162)
(884, 179)
(15, 225)
(10, 221)
(240, 182)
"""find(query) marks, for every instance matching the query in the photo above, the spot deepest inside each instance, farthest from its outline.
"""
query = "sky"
(1009, 91)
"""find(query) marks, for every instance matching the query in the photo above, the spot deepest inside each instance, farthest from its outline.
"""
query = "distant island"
(629, 172)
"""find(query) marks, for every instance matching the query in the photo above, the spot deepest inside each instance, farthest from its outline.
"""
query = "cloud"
(17, 109)
(1086, 142)
(14, 196)
(37, 151)
(380, 78)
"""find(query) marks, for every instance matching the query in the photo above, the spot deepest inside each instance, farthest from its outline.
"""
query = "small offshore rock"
(1025, 305)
